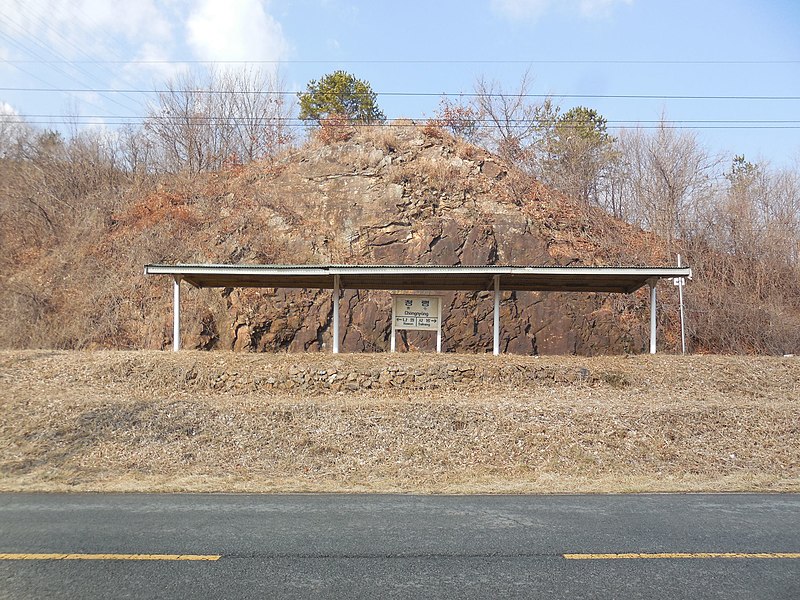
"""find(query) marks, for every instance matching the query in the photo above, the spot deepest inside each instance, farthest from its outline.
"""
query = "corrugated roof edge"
(344, 266)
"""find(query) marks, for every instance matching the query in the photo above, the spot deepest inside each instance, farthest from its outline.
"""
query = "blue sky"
(570, 47)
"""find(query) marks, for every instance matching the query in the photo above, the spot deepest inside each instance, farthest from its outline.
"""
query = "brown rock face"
(393, 195)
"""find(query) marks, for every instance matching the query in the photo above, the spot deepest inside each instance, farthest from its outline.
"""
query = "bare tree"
(513, 126)
(780, 206)
(256, 113)
(52, 186)
(236, 116)
(136, 150)
(668, 177)
(459, 118)
(182, 126)
(745, 253)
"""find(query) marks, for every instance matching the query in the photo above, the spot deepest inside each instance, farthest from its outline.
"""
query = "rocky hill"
(401, 194)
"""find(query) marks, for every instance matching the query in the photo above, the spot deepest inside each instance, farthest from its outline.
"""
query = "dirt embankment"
(199, 421)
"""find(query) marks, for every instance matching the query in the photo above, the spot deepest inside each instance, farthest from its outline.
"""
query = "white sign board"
(417, 312)
(422, 313)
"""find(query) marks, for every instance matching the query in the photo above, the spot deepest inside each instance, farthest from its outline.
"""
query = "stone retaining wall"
(353, 378)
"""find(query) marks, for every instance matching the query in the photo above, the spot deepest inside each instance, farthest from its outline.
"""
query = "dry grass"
(150, 421)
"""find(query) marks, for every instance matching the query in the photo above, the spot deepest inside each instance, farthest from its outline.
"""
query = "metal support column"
(652, 283)
(496, 345)
(176, 313)
(681, 281)
(336, 314)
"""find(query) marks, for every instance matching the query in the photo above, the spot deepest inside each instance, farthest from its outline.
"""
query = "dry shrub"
(744, 304)
(385, 136)
(460, 120)
(335, 128)
(233, 165)
(467, 151)
(441, 174)
(157, 208)
(433, 129)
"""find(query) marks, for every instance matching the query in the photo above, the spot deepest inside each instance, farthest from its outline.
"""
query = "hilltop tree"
(340, 94)
(742, 173)
(579, 149)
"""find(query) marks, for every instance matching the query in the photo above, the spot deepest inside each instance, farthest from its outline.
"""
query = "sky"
(729, 69)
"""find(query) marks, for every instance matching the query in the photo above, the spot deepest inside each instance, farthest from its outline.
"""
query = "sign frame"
(418, 318)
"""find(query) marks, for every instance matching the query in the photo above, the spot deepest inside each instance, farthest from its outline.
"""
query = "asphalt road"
(346, 546)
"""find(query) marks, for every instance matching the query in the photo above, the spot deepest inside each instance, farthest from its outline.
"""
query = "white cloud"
(77, 28)
(12, 128)
(215, 30)
(235, 30)
(150, 34)
(6, 110)
(532, 10)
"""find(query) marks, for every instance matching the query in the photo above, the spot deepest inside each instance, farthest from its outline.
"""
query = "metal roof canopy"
(410, 277)
(460, 278)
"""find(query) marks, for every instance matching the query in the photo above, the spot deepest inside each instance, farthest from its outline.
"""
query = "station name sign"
(417, 312)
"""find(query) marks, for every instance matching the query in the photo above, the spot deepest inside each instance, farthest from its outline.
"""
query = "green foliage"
(580, 151)
(742, 172)
(584, 123)
(340, 94)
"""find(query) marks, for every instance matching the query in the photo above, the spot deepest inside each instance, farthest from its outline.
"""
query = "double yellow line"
(76, 556)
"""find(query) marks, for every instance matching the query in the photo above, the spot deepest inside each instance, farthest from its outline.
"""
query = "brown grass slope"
(386, 195)
(198, 421)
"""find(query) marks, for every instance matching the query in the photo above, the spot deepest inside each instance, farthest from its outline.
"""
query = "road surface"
(368, 546)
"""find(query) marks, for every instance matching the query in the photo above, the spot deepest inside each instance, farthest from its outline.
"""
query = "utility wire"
(412, 94)
(36, 48)
(422, 62)
(80, 64)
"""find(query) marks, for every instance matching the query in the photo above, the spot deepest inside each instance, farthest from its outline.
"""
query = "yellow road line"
(637, 555)
(75, 556)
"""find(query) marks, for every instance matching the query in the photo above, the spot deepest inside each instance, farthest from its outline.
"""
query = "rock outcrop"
(399, 195)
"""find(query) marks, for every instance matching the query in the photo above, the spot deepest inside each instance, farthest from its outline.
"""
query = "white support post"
(680, 299)
(176, 313)
(652, 283)
(336, 314)
(393, 343)
(496, 344)
(439, 327)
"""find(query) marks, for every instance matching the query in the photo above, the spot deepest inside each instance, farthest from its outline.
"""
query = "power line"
(79, 65)
(414, 94)
(37, 49)
(417, 62)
